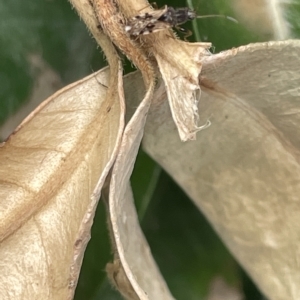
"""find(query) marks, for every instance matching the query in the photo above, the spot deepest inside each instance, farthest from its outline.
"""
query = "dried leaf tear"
(180, 73)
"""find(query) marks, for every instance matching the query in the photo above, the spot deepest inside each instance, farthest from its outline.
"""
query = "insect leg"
(186, 32)
(154, 5)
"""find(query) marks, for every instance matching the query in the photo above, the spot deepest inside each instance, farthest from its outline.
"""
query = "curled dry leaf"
(133, 255)
(243, 171)
(49, 170)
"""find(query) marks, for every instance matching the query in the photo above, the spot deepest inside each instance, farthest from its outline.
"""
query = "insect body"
(177, 16)
(159, 19)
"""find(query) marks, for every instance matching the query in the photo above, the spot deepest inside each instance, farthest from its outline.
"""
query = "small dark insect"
(147, 23)
(177, 16)
(161, 19)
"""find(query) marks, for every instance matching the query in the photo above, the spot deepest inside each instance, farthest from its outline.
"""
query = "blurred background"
(45, 46)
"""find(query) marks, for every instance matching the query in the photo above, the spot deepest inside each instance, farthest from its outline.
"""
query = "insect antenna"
(218, 16)
(197, 34)
(195, 28)
(188, 33)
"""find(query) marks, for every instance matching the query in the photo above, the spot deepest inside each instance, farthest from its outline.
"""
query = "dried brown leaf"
(52, 170)
(132, 254)
(243, 171)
